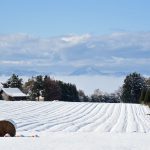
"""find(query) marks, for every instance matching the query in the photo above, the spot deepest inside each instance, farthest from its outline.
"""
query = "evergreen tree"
(14, 82)
(63, 88)
(68, 92)
(132, 87)
(51, 90)
(73, 93)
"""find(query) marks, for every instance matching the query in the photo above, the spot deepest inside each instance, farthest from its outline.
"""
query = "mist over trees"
(135, 89)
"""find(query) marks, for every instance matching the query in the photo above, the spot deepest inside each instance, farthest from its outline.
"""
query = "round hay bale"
(7, 127)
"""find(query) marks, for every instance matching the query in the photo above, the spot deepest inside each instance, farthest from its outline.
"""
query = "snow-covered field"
(66, 125)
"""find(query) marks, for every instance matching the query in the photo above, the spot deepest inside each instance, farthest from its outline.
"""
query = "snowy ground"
(87, 126)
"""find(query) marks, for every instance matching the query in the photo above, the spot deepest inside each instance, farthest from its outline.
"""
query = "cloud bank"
(116, 52)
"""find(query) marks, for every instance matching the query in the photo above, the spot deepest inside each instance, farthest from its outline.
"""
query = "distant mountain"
(19, 72)
(24, 72)
(86, 71)
(95, 71)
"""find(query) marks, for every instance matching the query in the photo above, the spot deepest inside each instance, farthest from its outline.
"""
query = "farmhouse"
(12, 94)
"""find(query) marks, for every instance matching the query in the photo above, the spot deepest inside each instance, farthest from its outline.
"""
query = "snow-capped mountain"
(95, 71)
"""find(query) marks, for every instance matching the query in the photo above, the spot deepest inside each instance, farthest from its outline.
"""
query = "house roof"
(13, 92)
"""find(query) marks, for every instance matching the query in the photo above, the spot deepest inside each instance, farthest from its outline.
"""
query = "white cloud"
(118, 51)
(75, 39)
(10, 62)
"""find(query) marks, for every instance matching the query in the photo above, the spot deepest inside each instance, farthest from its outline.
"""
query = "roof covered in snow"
(13, 92)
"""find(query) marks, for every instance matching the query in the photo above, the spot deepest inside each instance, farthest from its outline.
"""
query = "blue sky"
(74, 36)
(62, 17)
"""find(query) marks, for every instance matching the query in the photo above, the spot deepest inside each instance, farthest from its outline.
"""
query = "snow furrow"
(94, 123)
(76, 117)
(106, 125)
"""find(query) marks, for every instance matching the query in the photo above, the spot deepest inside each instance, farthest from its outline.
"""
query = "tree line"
(44, 87)
(135, 89)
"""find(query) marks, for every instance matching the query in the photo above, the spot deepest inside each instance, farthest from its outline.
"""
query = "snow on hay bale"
(7, 127)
